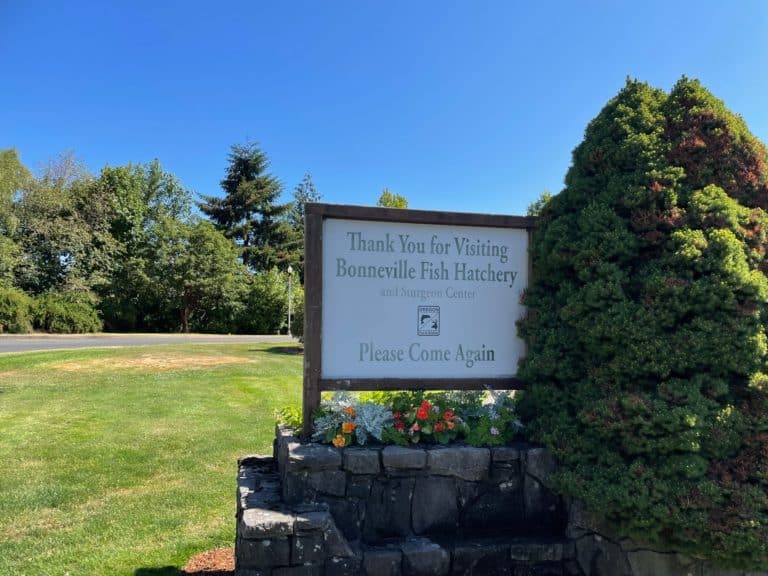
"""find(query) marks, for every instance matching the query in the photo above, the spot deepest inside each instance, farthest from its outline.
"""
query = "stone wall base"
(314, 509)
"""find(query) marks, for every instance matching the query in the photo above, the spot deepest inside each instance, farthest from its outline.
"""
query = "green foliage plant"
(289, 416)
(495, 423)
(390, 199)
(647, 350)
(66, 313)
(15, 310)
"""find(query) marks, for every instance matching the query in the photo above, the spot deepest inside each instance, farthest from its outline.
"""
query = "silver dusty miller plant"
(371, 420)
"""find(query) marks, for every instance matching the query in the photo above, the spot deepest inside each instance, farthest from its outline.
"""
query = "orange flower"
(349, 411)
(339, 441)
(347, 427)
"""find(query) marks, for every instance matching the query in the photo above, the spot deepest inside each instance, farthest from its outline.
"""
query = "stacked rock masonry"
(318, 510)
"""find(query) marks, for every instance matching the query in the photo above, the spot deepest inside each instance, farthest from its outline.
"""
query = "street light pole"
(290, 277)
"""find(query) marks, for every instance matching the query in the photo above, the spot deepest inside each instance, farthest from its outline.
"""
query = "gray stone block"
(600, 557)
(283, 437)
(309, 570)
(434, 508)
(252, 572)
(486, 558)
(258, 523)
(388, 510)
(347, 516)
(422, 557)
(308, 549)
(313, 457)
(505, 454)
(536, 551)
(342, 566)
(463, 462)
(312, 521)
(359, 487)
(336, 544)
(544, 512)
(262, 554)
(707, 570)
(507, 473)
(296, 488)
(495, 510)
(468, 492)
(400, 458)
(539, 464)
(578, 524)
(650, 563)
(383, 562)
(543, 569)
(361, 461)
(332, 482)
(572, 568)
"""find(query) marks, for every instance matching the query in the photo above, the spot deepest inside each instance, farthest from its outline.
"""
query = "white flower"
(436, 409)
(494, 431)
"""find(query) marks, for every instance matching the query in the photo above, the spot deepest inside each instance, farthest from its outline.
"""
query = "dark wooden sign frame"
(314, 385)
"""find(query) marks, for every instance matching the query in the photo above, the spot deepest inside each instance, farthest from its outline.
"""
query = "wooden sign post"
(411, 300)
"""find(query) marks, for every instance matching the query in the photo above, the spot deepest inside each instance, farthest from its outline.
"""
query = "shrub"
(15, 310)
(66, 313)
(265, 308)
(646, 337)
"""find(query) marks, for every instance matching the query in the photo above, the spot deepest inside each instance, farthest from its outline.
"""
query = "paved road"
(31, 342)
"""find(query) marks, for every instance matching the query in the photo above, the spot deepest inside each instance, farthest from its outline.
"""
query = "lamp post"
(290, 277)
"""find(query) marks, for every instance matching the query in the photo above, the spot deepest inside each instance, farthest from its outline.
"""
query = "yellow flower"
(347, 427)
(339, 441)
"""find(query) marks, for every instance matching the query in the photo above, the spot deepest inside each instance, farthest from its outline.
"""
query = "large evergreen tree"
(648, 356)
(249, 212)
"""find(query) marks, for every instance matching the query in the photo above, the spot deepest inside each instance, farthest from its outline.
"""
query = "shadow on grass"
(284, 350)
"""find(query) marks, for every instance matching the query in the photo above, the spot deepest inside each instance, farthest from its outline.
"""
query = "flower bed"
(404, 418)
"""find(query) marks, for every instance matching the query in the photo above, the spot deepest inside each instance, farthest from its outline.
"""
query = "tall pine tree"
(249, 213)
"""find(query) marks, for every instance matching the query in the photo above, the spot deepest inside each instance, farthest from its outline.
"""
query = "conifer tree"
(648, 356)
(249, 213)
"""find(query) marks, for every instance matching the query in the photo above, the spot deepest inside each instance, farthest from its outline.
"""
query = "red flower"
(397, 415)
(439, 427)
(399, 425)
(415, 427)
(448, 414)
(422, 413)
(426, 405)
(451, 425)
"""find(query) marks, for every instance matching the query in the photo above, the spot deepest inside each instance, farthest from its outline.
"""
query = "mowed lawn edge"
(123, 461)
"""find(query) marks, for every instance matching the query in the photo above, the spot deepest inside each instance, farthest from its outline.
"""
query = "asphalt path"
(10, 343)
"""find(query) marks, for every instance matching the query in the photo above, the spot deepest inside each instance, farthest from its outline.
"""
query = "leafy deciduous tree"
(391, 200)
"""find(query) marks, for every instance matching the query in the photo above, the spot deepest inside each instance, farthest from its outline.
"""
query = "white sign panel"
(405, 300)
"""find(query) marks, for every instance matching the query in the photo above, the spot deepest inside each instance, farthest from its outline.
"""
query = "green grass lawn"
(123, 461)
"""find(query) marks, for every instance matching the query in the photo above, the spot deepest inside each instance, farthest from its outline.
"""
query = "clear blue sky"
(470, 106)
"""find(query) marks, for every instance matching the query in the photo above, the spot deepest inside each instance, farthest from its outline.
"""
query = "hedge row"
(63, 313)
